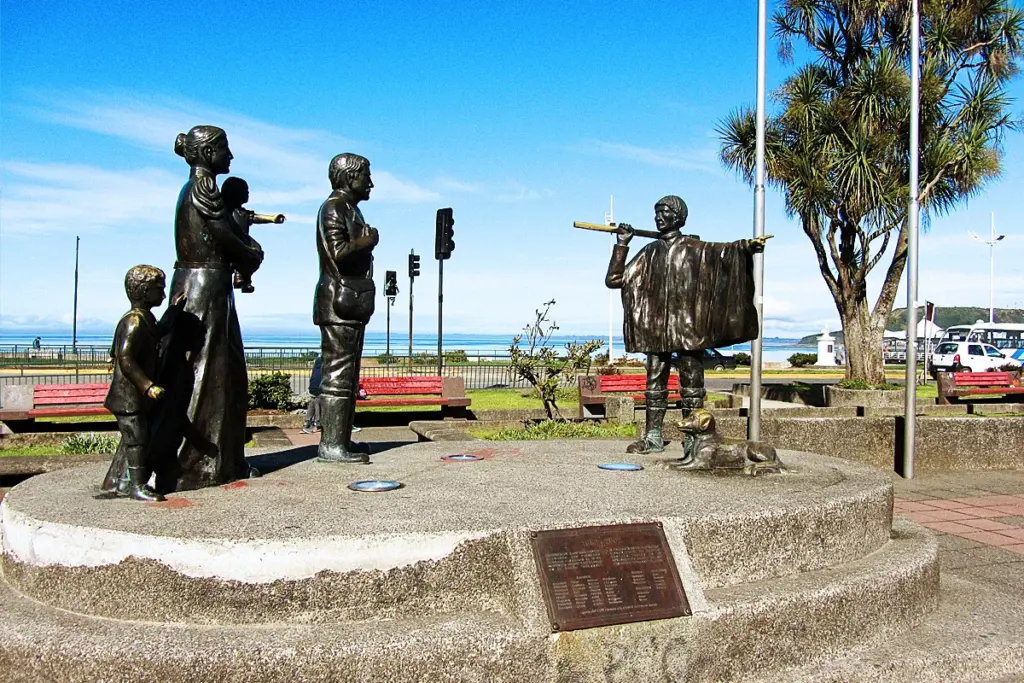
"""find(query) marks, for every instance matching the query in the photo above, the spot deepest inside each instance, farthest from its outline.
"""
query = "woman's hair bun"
(179, 145)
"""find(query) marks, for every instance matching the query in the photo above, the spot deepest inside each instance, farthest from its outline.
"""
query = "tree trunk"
(862, 336)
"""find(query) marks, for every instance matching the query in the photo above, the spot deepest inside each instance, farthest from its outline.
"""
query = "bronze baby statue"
(704, 449)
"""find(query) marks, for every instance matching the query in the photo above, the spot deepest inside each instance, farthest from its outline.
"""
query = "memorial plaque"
(603, 575)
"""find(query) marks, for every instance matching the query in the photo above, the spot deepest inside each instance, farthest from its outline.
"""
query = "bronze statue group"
(180, 387)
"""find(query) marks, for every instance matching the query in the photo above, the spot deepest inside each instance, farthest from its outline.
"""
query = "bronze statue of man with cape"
(680, 296)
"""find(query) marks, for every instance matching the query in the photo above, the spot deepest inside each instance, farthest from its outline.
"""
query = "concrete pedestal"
(295, 577)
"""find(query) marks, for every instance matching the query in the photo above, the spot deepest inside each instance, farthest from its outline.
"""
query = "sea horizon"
(376, 343)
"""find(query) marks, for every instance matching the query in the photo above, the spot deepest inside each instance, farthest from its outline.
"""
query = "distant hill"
(956, 315)
(944, 317)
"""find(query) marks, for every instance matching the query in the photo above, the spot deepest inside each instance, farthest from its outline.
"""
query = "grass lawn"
(78, 418)
(503, 399)
(43, 449)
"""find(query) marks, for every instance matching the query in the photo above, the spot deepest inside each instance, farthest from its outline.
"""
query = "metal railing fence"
(20, 364)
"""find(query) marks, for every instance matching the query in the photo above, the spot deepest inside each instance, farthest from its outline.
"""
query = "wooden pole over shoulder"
(652, 234)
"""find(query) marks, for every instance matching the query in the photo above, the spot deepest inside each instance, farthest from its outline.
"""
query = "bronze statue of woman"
(205, 372)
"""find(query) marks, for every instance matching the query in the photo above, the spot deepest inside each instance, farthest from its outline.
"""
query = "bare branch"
(813, 231)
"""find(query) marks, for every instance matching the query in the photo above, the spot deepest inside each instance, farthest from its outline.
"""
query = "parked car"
(713, 360)
(964, 356)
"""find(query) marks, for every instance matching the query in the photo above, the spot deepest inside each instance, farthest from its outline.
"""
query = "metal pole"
(74, 315)
(411, 278)
(391, 302)
(910, 380)
(754, 411)
(992, 272)
(440, 306)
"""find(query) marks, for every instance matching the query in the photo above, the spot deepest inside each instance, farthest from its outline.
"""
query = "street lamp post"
(991, 265)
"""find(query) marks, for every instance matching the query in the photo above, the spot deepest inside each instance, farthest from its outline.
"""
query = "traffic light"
(444, 245)
(414, 265)
(390, 283)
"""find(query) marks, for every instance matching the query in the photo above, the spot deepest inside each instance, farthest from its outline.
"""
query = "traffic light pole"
(440, 306)
(411, 278)
(391, 302)
(443, 247)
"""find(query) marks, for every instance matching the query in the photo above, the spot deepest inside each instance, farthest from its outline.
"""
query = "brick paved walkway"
(996, 520)
(979, 519)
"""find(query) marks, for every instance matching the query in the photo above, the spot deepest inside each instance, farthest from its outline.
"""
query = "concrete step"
(736, 632)
(975, 636)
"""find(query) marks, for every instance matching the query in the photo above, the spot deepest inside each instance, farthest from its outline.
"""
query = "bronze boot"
(657, 404)
(139, 489)
(336, 429)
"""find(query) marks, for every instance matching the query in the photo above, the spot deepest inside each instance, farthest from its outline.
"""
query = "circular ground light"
(461, 457)
(621, 466)
(375, 485)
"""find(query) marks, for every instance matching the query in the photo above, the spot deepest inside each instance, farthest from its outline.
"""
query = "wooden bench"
(594, 390)
(954, 385)
(447, 392)
(19, 403)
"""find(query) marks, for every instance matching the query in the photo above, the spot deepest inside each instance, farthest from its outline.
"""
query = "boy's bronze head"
(144, 286)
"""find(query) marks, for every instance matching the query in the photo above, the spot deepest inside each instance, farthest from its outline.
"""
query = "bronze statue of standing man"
(680, 296)
(343, 302)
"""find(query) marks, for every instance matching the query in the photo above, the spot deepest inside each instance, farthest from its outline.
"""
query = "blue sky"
(523, 117)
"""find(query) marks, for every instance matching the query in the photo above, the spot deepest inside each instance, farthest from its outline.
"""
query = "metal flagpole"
(910, 406)
(754, 411)
(610, 220)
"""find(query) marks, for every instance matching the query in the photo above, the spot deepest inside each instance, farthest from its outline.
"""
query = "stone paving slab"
(979, 518)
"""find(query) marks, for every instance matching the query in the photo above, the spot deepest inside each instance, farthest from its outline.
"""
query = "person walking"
(312, 421)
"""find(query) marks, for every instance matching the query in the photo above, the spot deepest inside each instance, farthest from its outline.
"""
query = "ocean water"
(775, 348)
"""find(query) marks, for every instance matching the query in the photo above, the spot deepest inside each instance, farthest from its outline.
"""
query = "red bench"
(26, 402)
(22, 403)
(954, 385)
(447, 392)
(595, 388)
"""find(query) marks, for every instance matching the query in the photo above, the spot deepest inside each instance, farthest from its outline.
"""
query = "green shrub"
(456, 356)
(609, 370)
(387, 359)
(743, 358)
(799, 360)
(532, 358)
(863, 385)
(271, 390)
(556, 429)
(88, 443)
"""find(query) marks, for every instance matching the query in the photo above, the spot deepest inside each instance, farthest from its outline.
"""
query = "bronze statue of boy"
(134, 392)
(680, 296)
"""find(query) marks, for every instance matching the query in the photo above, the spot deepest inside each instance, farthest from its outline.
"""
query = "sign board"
(603, 575)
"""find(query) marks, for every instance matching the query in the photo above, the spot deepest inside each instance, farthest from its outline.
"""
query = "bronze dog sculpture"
(704, 449)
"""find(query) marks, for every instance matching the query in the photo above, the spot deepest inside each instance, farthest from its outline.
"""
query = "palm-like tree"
(839, 148)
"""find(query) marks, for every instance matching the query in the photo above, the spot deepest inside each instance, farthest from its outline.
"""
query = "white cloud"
(688, 159)
(74, 198)
(291, 162)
